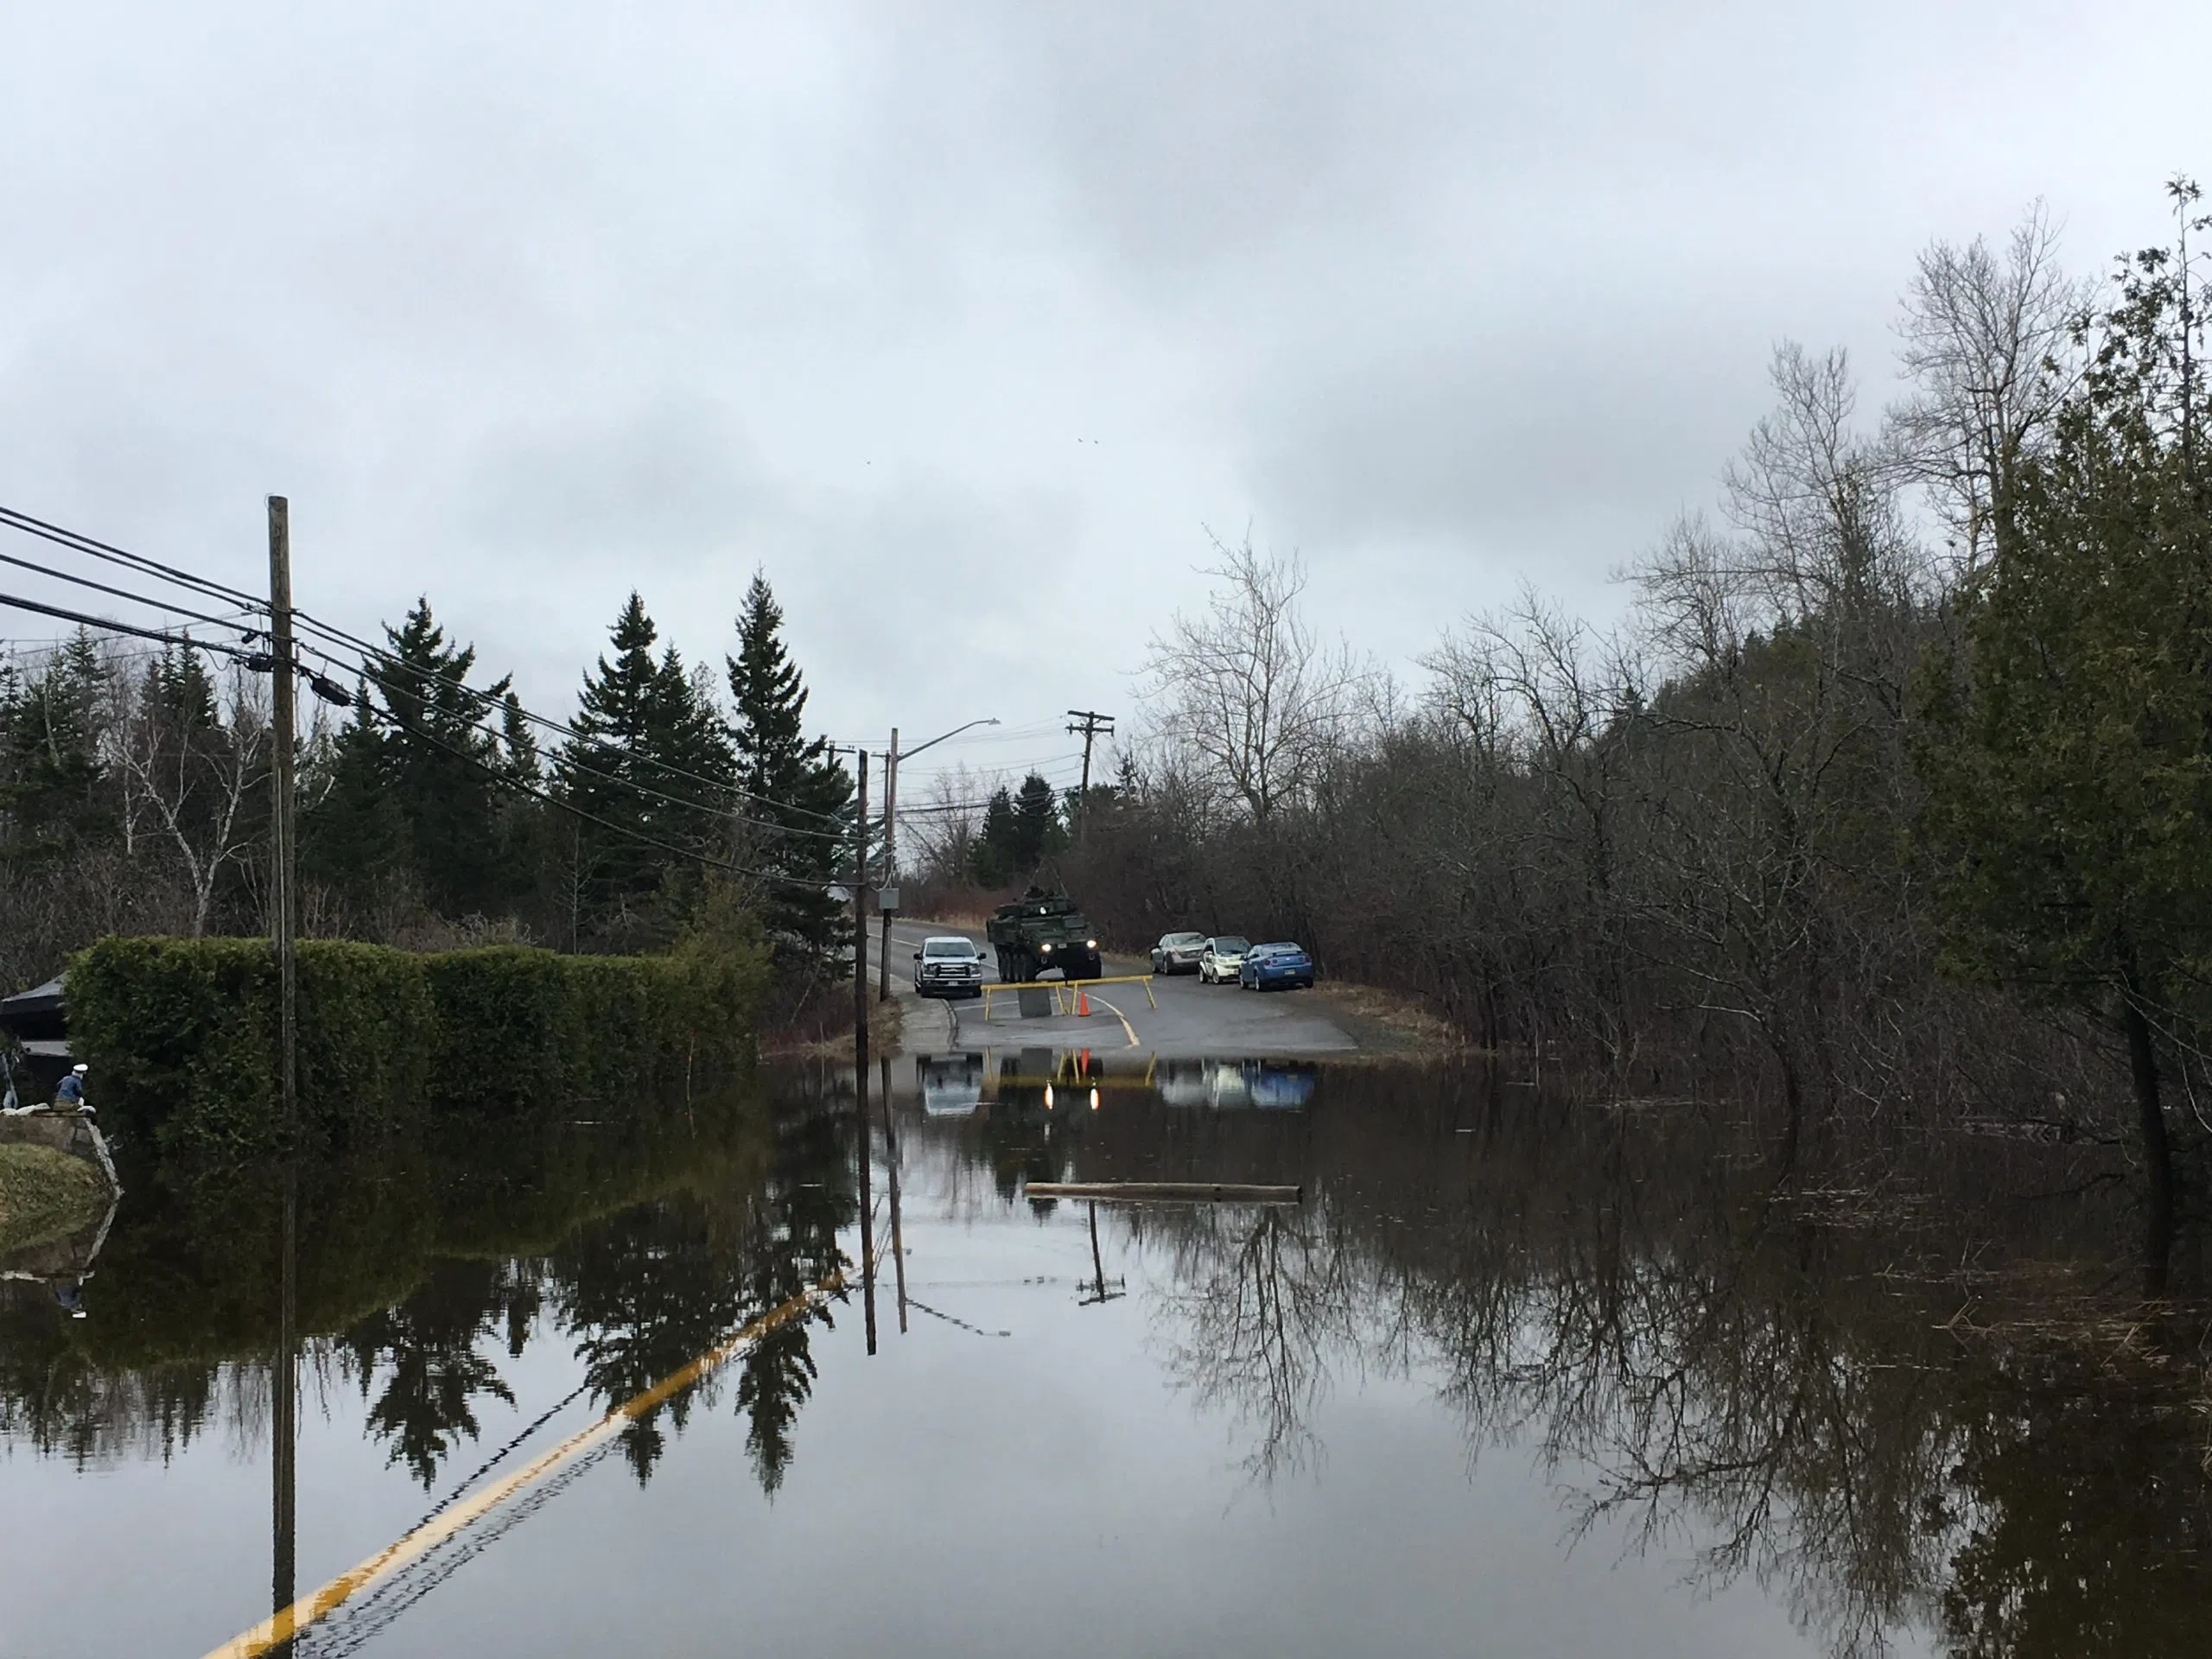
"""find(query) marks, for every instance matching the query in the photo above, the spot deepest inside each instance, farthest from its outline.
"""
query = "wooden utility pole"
(867, 1135)
(1088, 726)
(890, 858)
(860, 922)
(284, 922)
(283, 898)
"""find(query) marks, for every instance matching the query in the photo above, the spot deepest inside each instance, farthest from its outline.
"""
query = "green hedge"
(179, 1034)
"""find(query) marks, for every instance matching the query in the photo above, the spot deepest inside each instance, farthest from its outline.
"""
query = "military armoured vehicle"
(1041, 931)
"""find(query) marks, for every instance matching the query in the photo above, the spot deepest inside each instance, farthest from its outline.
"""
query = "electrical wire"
(110, 625)
(99, 549)
(306, 621)
(229, 622)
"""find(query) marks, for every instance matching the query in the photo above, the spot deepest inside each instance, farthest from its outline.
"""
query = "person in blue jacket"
(70, 1096)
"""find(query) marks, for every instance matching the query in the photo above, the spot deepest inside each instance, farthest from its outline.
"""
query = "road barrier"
(1068, 995)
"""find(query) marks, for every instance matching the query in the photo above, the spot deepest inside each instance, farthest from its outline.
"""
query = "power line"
(229, 622)
(99, 549)
(76, 542)
(251, 659)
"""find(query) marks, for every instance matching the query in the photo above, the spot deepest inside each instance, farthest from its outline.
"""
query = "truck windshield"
(948, 948)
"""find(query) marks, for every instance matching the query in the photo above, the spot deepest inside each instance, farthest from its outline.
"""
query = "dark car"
(1282, 966)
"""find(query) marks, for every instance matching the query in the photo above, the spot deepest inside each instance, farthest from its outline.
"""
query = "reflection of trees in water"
(1773, 1376)
(422, 1358)
(1264, 1298)
(744, 1223)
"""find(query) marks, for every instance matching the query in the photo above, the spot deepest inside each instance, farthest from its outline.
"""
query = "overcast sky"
(962, 320)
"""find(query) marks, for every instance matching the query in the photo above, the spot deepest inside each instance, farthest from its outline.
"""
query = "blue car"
(1275, 966)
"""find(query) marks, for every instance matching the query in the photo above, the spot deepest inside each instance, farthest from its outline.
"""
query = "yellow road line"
(283, 1625)
(1119, 1015)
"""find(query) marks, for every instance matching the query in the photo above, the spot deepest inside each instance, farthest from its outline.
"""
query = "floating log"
(1167, 1191)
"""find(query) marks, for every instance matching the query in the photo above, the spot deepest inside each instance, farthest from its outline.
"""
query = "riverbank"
(45, 1195)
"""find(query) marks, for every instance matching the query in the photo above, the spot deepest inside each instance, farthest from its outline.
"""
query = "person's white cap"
(81, 1066)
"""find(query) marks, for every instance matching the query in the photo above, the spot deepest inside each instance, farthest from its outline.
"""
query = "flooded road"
(1516, 1375)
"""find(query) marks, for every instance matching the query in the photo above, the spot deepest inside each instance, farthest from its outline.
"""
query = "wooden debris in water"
(1167, 1191)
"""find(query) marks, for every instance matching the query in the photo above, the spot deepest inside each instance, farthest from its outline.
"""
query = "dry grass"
(1392, 1021)
(887, 1027)
(45, 1195)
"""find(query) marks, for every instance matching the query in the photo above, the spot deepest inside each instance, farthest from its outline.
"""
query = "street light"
(892, 757)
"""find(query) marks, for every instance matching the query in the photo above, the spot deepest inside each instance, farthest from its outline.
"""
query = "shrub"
(180, 1033)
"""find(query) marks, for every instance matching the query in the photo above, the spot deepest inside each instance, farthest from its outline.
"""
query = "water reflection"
(1903, 1404)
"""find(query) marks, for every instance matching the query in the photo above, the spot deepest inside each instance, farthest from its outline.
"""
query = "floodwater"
(1516, 1374)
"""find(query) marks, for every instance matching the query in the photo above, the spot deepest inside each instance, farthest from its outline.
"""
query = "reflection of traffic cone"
(1083, 1004)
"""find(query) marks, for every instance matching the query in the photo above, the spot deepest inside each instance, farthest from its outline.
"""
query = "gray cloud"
(961, 321)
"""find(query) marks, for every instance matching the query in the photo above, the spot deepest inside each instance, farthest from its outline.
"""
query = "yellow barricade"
(1064, 990)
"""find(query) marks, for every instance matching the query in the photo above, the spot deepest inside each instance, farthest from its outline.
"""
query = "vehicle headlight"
(1091, 945)
(1044, 947)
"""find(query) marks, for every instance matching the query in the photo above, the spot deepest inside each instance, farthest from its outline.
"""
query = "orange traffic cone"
(1083, 1004)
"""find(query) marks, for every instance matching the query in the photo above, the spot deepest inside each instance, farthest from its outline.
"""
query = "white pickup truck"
(948, 965)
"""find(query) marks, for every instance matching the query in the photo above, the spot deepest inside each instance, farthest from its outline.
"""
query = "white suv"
(948, 965)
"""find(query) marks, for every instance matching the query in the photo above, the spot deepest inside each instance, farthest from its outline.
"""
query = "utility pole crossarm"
(1089, 725)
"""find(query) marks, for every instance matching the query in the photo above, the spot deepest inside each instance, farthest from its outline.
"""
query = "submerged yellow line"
(1119, 1015)
(287, 1622)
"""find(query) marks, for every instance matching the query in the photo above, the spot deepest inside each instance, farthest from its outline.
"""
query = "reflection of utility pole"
(867, 1198)
(891, 1159)
(283, 1425)
(1089, 725)
(859, 1046)
(1096, 1292)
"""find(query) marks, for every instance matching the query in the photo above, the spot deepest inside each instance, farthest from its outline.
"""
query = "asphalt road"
(1191, 1020)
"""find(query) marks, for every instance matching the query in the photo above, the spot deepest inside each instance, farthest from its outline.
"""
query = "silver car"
(1222, 959)
(1178, 953)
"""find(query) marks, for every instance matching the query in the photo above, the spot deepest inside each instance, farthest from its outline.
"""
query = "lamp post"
(892, 757)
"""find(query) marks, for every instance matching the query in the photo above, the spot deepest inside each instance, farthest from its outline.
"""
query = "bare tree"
(1989, 345)
(943, 825)
(191, 780)
(1246, 690)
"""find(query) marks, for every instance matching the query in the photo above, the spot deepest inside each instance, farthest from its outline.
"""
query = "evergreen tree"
(795, 788)
(1036, 824)
(440, 767)
(2069, 752)
(651, 763)
(56, 719)
(993, 860)
(353, 838)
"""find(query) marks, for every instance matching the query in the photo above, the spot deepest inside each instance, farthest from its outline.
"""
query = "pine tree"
(440, 768)
(795, 788)
(353, 835)
(56, 797)
(651, 766)
(993, 860)
(1036, 824)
